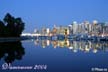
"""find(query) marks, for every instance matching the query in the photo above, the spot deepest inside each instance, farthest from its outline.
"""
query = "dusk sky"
(46, 13)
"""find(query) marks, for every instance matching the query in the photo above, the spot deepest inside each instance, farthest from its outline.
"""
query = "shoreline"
(12, 39)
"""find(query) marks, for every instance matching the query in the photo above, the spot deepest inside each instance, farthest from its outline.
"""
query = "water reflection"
(85, 46)
(11, 51)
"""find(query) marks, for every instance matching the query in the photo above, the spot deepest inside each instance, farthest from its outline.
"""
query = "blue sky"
(46, 13)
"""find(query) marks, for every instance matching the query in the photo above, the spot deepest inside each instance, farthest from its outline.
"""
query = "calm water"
(53, 56)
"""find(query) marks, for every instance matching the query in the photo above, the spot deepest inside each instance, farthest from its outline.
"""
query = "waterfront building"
(70, 29)
(75, 27)
(84, 29)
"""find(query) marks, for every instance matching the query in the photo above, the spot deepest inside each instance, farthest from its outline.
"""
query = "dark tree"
(11, 27)
(19, 26)
(2, 27)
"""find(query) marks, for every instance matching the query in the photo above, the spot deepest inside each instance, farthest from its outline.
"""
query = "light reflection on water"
(57, 54)
(75, 46)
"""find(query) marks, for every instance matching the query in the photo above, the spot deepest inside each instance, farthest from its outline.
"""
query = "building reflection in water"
(74, 45)
(11, 51)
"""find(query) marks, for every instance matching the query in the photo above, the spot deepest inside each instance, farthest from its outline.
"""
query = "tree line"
(11, 26)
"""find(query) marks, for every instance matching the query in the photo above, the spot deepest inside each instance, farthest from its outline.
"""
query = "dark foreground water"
(53, 56)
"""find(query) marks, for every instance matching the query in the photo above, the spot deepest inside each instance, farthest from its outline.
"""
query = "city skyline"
(93, 28)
